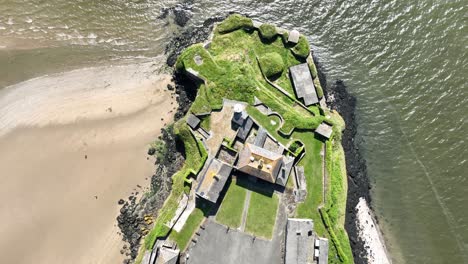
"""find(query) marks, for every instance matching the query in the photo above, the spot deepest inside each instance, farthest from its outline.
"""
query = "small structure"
(167, 256)
(261, 137)
(325, 130)
(193, 121)
(293, 36)
(244, 130)
(323, 250)
(300, 190)
(164, 252)
(303, 84)
(283, 175)
(299, 241)
(214, 177)
(259, 162)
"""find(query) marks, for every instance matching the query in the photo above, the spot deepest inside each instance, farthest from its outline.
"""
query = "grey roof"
(293, 36)
(213, 179)
(239, 118)
(167, 256)
(323, 251)
(299, 241)
(285, 171)
(261, 137)
(324, 130)
(303, 84)
(193, 121)
(244, 130)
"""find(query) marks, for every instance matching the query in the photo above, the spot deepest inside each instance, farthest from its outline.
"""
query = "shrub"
(318, 87)
(234, 22)
(272, 64)
(302, 48)
(267, 31)
(312, 67)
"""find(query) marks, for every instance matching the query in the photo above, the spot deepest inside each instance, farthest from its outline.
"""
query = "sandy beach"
(71, 145)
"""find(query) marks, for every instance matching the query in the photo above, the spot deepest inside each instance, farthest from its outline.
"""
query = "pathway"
(246, 210)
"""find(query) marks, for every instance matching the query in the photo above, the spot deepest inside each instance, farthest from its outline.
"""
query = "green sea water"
(405, 61)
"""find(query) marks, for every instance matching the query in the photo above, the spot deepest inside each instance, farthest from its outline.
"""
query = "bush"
(272, 64)
(234, 22)
(318, 87)
(267, 31)
(302, 48)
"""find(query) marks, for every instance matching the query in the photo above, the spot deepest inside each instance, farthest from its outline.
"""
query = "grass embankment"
(183, 237)
(195, 155)
(329, 221)
(230, 211)
(261, 216)
(231, 70)
(334, 210)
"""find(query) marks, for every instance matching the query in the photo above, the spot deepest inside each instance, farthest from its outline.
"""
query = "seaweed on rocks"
(358, 182)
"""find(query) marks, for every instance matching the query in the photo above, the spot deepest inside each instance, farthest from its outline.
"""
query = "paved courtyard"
(216, 244)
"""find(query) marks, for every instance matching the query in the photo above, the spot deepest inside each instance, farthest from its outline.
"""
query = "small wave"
(92, 36)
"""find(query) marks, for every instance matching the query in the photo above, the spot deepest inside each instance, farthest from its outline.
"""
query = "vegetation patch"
(261, 217)
(302, 48)
(196, 156)
(267, 32)
(334, 210)
(230, 211)
(318, 87)
(193, 222)
(234, 22)
(272, 64)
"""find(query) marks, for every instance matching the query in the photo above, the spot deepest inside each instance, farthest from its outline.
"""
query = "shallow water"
(405, 61)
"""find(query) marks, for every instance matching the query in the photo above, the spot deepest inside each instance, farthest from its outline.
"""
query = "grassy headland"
(234, 66)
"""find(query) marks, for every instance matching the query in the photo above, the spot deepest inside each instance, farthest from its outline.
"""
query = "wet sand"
(66, 159)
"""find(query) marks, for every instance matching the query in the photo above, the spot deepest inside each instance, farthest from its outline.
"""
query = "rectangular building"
(303, 84)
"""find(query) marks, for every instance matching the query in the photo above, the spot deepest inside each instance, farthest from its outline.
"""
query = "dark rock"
(342, 101)
(170, 87)
(151, 151)
(121, 201)
(180, 13)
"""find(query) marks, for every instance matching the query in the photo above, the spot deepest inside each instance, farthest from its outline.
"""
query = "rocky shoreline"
(339, 99)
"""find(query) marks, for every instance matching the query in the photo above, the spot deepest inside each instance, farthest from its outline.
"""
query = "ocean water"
(405, 61)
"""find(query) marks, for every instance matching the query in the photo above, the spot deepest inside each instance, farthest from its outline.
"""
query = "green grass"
(272, 64)
(267, 32)
(205, 122)
(195, 158)
(335, 206)
(230, 211)
(312, 163)
(183, 237)
(261, 217)
(302, 48)
(234, 22)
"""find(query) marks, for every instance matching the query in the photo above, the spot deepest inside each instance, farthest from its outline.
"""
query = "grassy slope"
(193, 222)
(195, 158)
(261, 216)
(230, 211)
